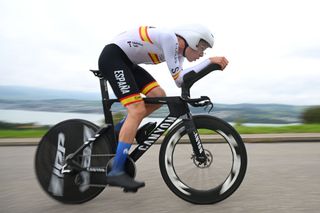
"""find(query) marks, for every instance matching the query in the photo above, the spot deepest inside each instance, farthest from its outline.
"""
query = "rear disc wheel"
(61, 140)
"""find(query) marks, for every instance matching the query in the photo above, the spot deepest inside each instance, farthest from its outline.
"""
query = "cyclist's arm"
(170, 48)
(196, 68)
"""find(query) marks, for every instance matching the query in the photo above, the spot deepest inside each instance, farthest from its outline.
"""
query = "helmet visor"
(202, 46)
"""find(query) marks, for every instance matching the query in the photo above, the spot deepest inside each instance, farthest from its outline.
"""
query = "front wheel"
(219, 176)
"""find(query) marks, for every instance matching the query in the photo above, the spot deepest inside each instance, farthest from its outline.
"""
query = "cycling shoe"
(124, 181)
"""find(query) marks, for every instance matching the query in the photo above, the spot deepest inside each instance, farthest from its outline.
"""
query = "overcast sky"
(273, 46)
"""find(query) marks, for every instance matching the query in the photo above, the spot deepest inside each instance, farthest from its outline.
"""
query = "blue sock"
(118, 126)
(120, 158)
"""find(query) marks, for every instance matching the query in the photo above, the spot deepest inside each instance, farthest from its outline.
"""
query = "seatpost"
(105, 101)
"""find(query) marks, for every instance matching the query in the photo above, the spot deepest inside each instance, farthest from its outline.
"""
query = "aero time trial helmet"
(193, 34)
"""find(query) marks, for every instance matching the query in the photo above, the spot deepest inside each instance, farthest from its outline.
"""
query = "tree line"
(311, 115)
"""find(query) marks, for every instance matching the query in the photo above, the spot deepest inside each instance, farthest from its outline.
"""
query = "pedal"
(144, 131)
(130, 190)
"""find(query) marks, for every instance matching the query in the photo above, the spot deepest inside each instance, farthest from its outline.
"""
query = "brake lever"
(210, 104)
(207, 104)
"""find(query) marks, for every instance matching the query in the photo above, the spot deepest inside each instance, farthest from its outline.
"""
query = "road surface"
(281, 177)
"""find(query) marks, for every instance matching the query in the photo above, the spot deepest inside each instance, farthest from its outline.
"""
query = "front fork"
(195, 139)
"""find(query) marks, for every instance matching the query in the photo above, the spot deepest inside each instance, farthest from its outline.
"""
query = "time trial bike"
(202, 158)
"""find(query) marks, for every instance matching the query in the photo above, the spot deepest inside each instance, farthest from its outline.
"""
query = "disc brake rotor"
(207, 163)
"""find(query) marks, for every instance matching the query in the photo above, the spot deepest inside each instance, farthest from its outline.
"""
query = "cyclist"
(118, 63)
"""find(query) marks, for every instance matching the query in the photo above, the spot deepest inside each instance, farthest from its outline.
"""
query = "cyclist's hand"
(222, 61)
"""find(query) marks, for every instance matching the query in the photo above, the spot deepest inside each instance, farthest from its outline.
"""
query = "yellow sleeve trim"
(175, 76)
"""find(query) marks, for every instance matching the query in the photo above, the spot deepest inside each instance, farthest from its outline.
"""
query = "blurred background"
(47, 48)
(271, 86)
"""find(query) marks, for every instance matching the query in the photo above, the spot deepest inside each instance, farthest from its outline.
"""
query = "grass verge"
(304, 128)
(26, 133)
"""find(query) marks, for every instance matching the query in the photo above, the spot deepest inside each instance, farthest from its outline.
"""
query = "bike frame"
(178, 107)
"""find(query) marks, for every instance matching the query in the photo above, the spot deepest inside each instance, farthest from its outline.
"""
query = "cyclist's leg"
(116, 68)
(117, 176)
(148, 86)
(117, 127)
(156, 92)
(136, 112)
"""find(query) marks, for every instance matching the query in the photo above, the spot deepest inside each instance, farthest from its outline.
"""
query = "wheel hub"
(207, 162)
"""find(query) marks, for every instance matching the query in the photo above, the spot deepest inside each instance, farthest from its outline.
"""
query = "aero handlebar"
(190, 78)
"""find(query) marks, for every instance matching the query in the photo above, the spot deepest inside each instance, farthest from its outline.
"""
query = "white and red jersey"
(150, 45)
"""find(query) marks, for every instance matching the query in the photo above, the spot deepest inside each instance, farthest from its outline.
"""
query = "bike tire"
(61, 140)
(224, 138)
